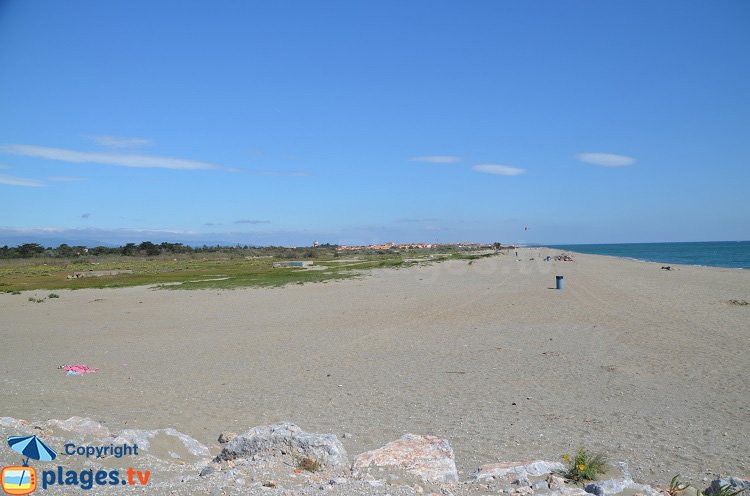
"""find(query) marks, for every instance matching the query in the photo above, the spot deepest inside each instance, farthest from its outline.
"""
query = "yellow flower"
(581, 467)
(566, 458)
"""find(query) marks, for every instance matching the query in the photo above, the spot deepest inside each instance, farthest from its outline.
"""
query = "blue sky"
(358, 122)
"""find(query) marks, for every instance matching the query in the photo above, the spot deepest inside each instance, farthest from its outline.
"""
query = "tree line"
(149, 249)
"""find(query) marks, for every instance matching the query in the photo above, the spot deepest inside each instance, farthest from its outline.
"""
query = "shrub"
(308, 464)
(53, 295)
(584, 466)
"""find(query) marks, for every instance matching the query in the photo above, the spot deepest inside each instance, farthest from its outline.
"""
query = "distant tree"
(129, 249)
(64, 250)
(30, 249)
(149, 248)
(100, 250)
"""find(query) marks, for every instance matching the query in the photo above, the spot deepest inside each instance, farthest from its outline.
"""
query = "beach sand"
(646, 365)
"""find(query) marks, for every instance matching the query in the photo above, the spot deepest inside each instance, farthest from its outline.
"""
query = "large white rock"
(268, 442)
(427, 457)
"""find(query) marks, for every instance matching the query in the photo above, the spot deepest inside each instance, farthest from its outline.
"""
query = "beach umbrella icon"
(31, 447)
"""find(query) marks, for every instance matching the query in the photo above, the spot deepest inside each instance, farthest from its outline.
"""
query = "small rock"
(540, 485)
(521, 481)
(210, 469)
(555, 483)
(689, 491)
(226, 436)
(594, 489)
(523, 491)
(270, 483)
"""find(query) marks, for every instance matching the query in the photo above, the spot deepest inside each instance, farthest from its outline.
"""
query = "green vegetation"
(175, 266)
(584, 466)
(219, 270)
(675, 486)
(53, 295)
(726, 490)
(36, 300)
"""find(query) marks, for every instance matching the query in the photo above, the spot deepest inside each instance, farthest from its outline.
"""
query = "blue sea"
(732, 254)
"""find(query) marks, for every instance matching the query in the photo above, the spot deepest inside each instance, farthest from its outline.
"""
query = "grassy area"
(190, 272)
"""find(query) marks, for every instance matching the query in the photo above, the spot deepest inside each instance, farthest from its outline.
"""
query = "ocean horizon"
(727, 254)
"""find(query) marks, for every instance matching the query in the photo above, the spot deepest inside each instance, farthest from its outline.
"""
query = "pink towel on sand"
(79, 368)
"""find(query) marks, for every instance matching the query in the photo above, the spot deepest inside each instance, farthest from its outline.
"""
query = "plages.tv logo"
(21, 479)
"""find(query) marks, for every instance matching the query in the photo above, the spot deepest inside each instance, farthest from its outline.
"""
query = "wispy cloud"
(20, 181)
(252, 221)
(85, 216)
(501, 170)
(120, 141)
(606, 159)
(117, 159)
(211, 224)
(438, 159)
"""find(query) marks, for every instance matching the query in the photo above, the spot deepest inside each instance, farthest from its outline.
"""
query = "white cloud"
(118, 159)
(501, 170)
(606, 159)
(120, 141)
(20, 181)
(438, 159)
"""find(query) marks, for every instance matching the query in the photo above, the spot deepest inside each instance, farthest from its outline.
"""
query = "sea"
(731, 254)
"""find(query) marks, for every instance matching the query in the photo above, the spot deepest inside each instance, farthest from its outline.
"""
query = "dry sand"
(646, 365)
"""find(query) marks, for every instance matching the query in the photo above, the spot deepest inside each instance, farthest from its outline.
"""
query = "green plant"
(726, 490)
(15, 292)
(675, 486)
(584, 466)
(36, 300)
(53, 295)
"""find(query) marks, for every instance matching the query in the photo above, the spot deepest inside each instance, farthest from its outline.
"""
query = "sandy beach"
(643, 364)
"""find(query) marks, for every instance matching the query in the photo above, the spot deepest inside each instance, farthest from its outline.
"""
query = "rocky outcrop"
(428, 457)
(269, 443)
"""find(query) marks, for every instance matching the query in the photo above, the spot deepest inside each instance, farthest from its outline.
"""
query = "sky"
(353, 122)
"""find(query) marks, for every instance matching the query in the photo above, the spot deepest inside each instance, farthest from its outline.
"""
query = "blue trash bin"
(559, 282)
